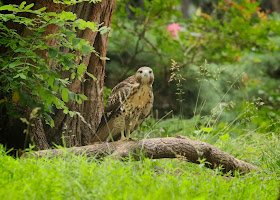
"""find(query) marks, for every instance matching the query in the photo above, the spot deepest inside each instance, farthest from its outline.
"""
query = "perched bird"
(129, 103)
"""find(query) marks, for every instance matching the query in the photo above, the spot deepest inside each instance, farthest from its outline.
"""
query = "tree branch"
(156, 148)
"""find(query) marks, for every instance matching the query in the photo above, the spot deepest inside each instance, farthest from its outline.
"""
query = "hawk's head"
(145, 75)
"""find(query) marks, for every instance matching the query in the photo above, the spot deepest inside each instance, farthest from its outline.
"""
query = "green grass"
(79, 177)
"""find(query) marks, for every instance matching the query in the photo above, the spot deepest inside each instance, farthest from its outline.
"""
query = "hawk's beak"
(146, 74)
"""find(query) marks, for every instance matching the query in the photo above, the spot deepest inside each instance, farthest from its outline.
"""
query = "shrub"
(27, 78)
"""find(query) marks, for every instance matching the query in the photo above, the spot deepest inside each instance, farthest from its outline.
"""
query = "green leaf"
(50, 109)
(42, 9)
(73, 75)
(71, 113)
(55, 86)
(208, 130)
(16, 63)
(49, 120)
(69, 33)
(78, 100)
(51, 81)
(53, 52)
(20, 49)
(64, 94)
(225, 137)
(82, 24)
(90, 75)
(7, 7)
(29, 6)
(84, 97)
(85, 49)
(104, 58)
(81, 68)
(10, 16)
(71, 95)
(21, 6)
(92, 26)
(103, 29)
(65, 111)
(22, 76)
(68, 63)
(67, 16)
(50, 98)
(76, 41)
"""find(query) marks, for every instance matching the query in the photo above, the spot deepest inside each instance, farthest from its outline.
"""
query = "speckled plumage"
(129, 103)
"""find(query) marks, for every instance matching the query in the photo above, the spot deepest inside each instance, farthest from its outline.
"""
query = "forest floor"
(79, 177)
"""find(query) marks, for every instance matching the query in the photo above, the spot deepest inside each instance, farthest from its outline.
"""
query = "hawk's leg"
(122, 136)
(129, 129)
(128, 134)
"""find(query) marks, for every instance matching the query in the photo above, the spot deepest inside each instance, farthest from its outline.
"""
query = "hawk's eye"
(140, 71)
(150, 72)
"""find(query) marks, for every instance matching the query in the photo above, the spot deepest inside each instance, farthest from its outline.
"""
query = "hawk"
(129, 103)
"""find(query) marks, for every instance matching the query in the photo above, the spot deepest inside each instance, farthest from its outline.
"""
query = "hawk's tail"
(102, 132)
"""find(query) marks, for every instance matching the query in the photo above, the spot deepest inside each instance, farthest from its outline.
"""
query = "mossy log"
(156, 148)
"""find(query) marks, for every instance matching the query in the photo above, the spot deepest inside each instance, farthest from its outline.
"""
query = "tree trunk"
(155, 148)
(275, 5)
(77, 130)
(185, 6)
(272, 5)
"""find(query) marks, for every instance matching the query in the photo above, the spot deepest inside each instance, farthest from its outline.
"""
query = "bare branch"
(157, 148)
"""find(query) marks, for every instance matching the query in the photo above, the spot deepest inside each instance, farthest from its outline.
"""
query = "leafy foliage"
(26, 77)
(228, 58)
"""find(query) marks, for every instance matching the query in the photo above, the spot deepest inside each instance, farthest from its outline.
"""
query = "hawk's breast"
(141, 97)
(137, 102)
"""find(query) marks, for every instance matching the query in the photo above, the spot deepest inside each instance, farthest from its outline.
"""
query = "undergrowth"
(80, 177)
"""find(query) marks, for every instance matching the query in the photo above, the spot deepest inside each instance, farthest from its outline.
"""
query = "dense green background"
(227, 59)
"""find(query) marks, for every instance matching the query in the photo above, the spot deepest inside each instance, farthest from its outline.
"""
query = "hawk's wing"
(114, 103)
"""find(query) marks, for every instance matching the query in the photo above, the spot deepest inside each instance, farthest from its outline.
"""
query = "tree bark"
(185, 5)
(275, 5)
(77, 130)
(155, 148)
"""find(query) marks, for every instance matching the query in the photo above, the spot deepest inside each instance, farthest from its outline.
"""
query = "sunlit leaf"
(78, 99)
(64, 95)
(7, 7)
(29, 6)
(22, 5)
(84, 97)
(208, 130)
(225, 137)
(90, 75)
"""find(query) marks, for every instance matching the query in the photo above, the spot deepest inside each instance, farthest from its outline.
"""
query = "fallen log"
(156, 148)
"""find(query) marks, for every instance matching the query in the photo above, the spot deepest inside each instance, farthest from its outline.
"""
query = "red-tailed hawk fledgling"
(129, 103)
